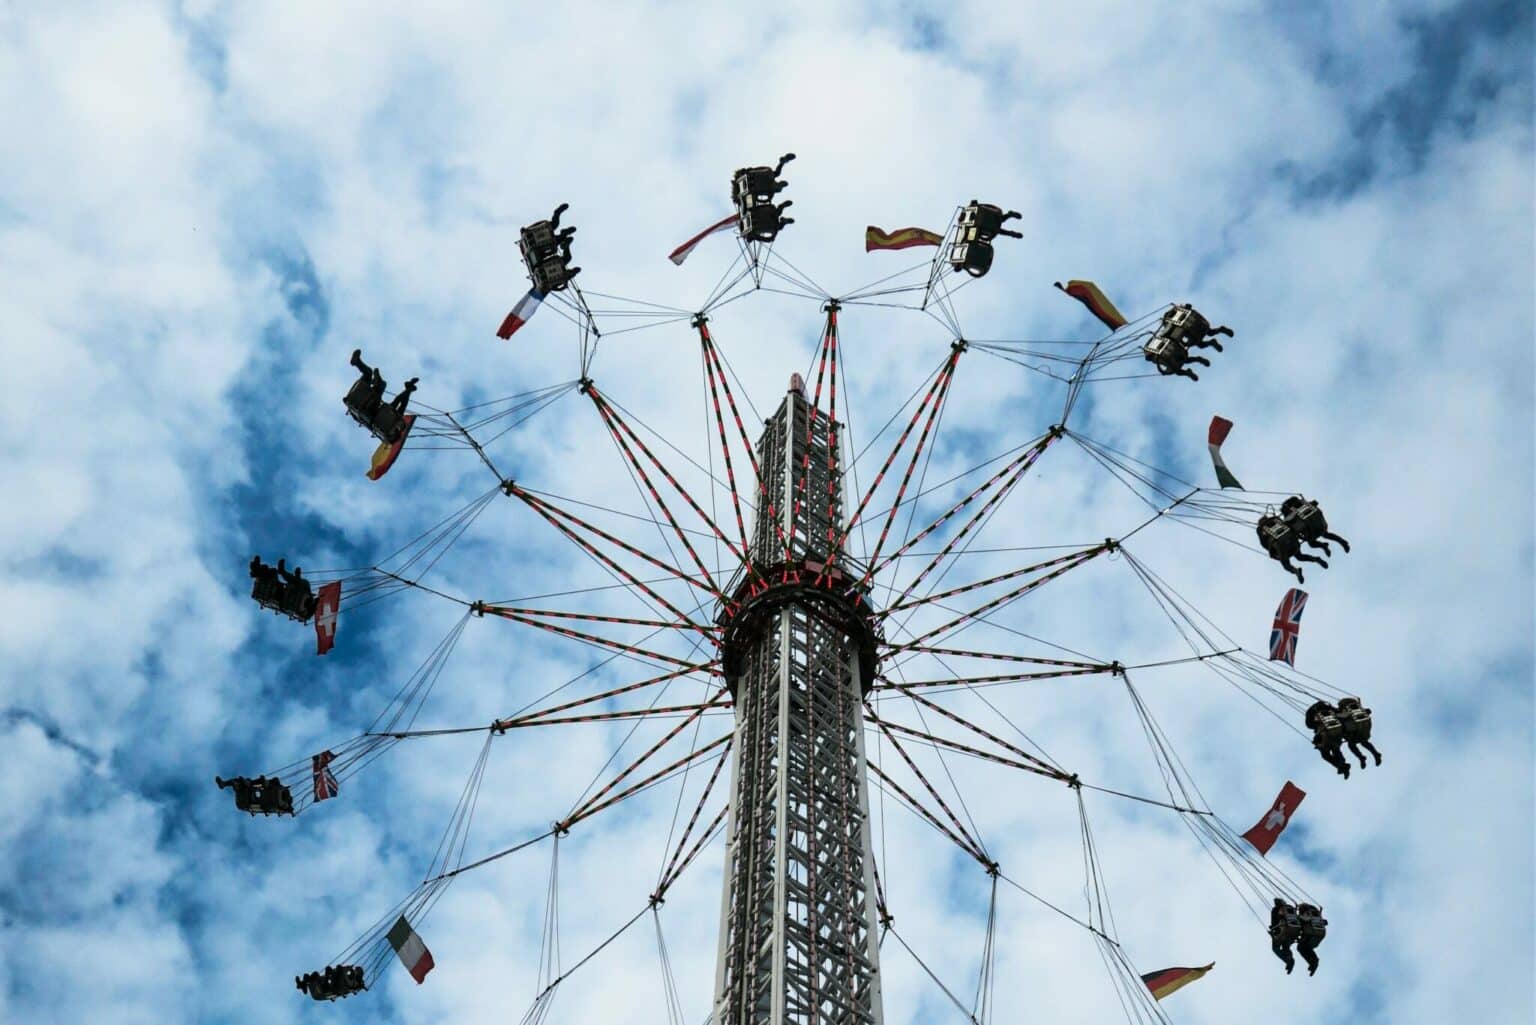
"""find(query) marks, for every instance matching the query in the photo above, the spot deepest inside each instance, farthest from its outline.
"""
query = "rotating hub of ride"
(823, 592)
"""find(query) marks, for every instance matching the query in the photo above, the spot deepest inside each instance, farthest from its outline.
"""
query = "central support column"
(798, 940)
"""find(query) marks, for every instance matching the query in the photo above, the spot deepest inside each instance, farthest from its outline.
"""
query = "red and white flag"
(680, 254)
(327, 604)
(1269, 828)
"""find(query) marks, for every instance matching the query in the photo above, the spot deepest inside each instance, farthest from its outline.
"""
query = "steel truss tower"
(798, 939)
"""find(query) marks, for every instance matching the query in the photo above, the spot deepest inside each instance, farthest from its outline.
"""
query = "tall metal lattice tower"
(798, 939)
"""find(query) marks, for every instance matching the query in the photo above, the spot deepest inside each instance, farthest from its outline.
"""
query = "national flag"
(521, 314)
(1287, 628)
(1166, 981)
(326, 786)
(1220, 428)
(1087, 293)
(901, 238)
(1269, 828)
(413, 953)
(680, 254)
(327, 604)
(385, 455)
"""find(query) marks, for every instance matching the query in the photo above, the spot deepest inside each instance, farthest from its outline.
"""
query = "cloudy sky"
(207, 206)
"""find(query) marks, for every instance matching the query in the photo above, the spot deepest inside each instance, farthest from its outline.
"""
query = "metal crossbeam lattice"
(798, 939)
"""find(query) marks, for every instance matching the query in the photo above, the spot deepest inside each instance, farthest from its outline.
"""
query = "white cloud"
(166, 185)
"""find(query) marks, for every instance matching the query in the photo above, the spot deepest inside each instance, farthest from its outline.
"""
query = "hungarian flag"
(1087, 293)
(1287, 628)
(901, 238)
(1166, 981)
(327, 604)
(385, 455)
(413, 953)
(1269, 828)
(680, 254)
(521, 314)
(1220, 428)
(326, 786)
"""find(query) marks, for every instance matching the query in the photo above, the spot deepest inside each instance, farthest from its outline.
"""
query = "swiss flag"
(327, 604)
(1269, 828)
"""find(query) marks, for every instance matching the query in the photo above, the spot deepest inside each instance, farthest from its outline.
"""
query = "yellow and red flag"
(1087, 293)
(1166, 981)
(901, 238)
(385, 455)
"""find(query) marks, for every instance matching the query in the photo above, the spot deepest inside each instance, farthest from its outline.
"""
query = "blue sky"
(210, 205)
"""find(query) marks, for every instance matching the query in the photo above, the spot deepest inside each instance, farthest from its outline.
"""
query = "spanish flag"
(1163, 982)
(385, 455)
(1087, 293)
(901, 238)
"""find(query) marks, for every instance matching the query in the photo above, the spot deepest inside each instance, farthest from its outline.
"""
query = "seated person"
(1356, 720)
(1282, 544)
(1306, 518)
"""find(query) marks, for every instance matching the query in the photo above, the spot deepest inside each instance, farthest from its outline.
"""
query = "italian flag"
(413, 953)
(1220, 428)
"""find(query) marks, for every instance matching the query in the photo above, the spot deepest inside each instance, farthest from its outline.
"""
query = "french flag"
(521, 314)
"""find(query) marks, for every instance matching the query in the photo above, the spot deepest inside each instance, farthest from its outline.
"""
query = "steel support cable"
(933, 415)
(635, 419)
(541, 1001)
(891, 929)
(592, 807)
(954, 785)
(725, 448)
(678, 862)
(1080, 556)
(614, 423)
(996, 603)
(976, 845)
(994, 656)
(828, 342)
(804, 279)
(834, 475)
(670, 994)
(863, 291)
(585, 802)
(1023, 462)
(1046, 766)
(999, 712)
(1175, 614)
(764, 500)
(939, 377)
(982, 681)
(592, 639)
(554, 514)
(568, 500)
(523, 716)
(933, 740)
(913, 805)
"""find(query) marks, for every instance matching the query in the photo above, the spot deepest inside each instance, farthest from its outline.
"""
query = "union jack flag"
(325, 780)
(1282, 637)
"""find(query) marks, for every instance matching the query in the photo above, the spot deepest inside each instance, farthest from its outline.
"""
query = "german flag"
(385, 455)
(1166, 981)
(901, 238)
(1087, 293)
